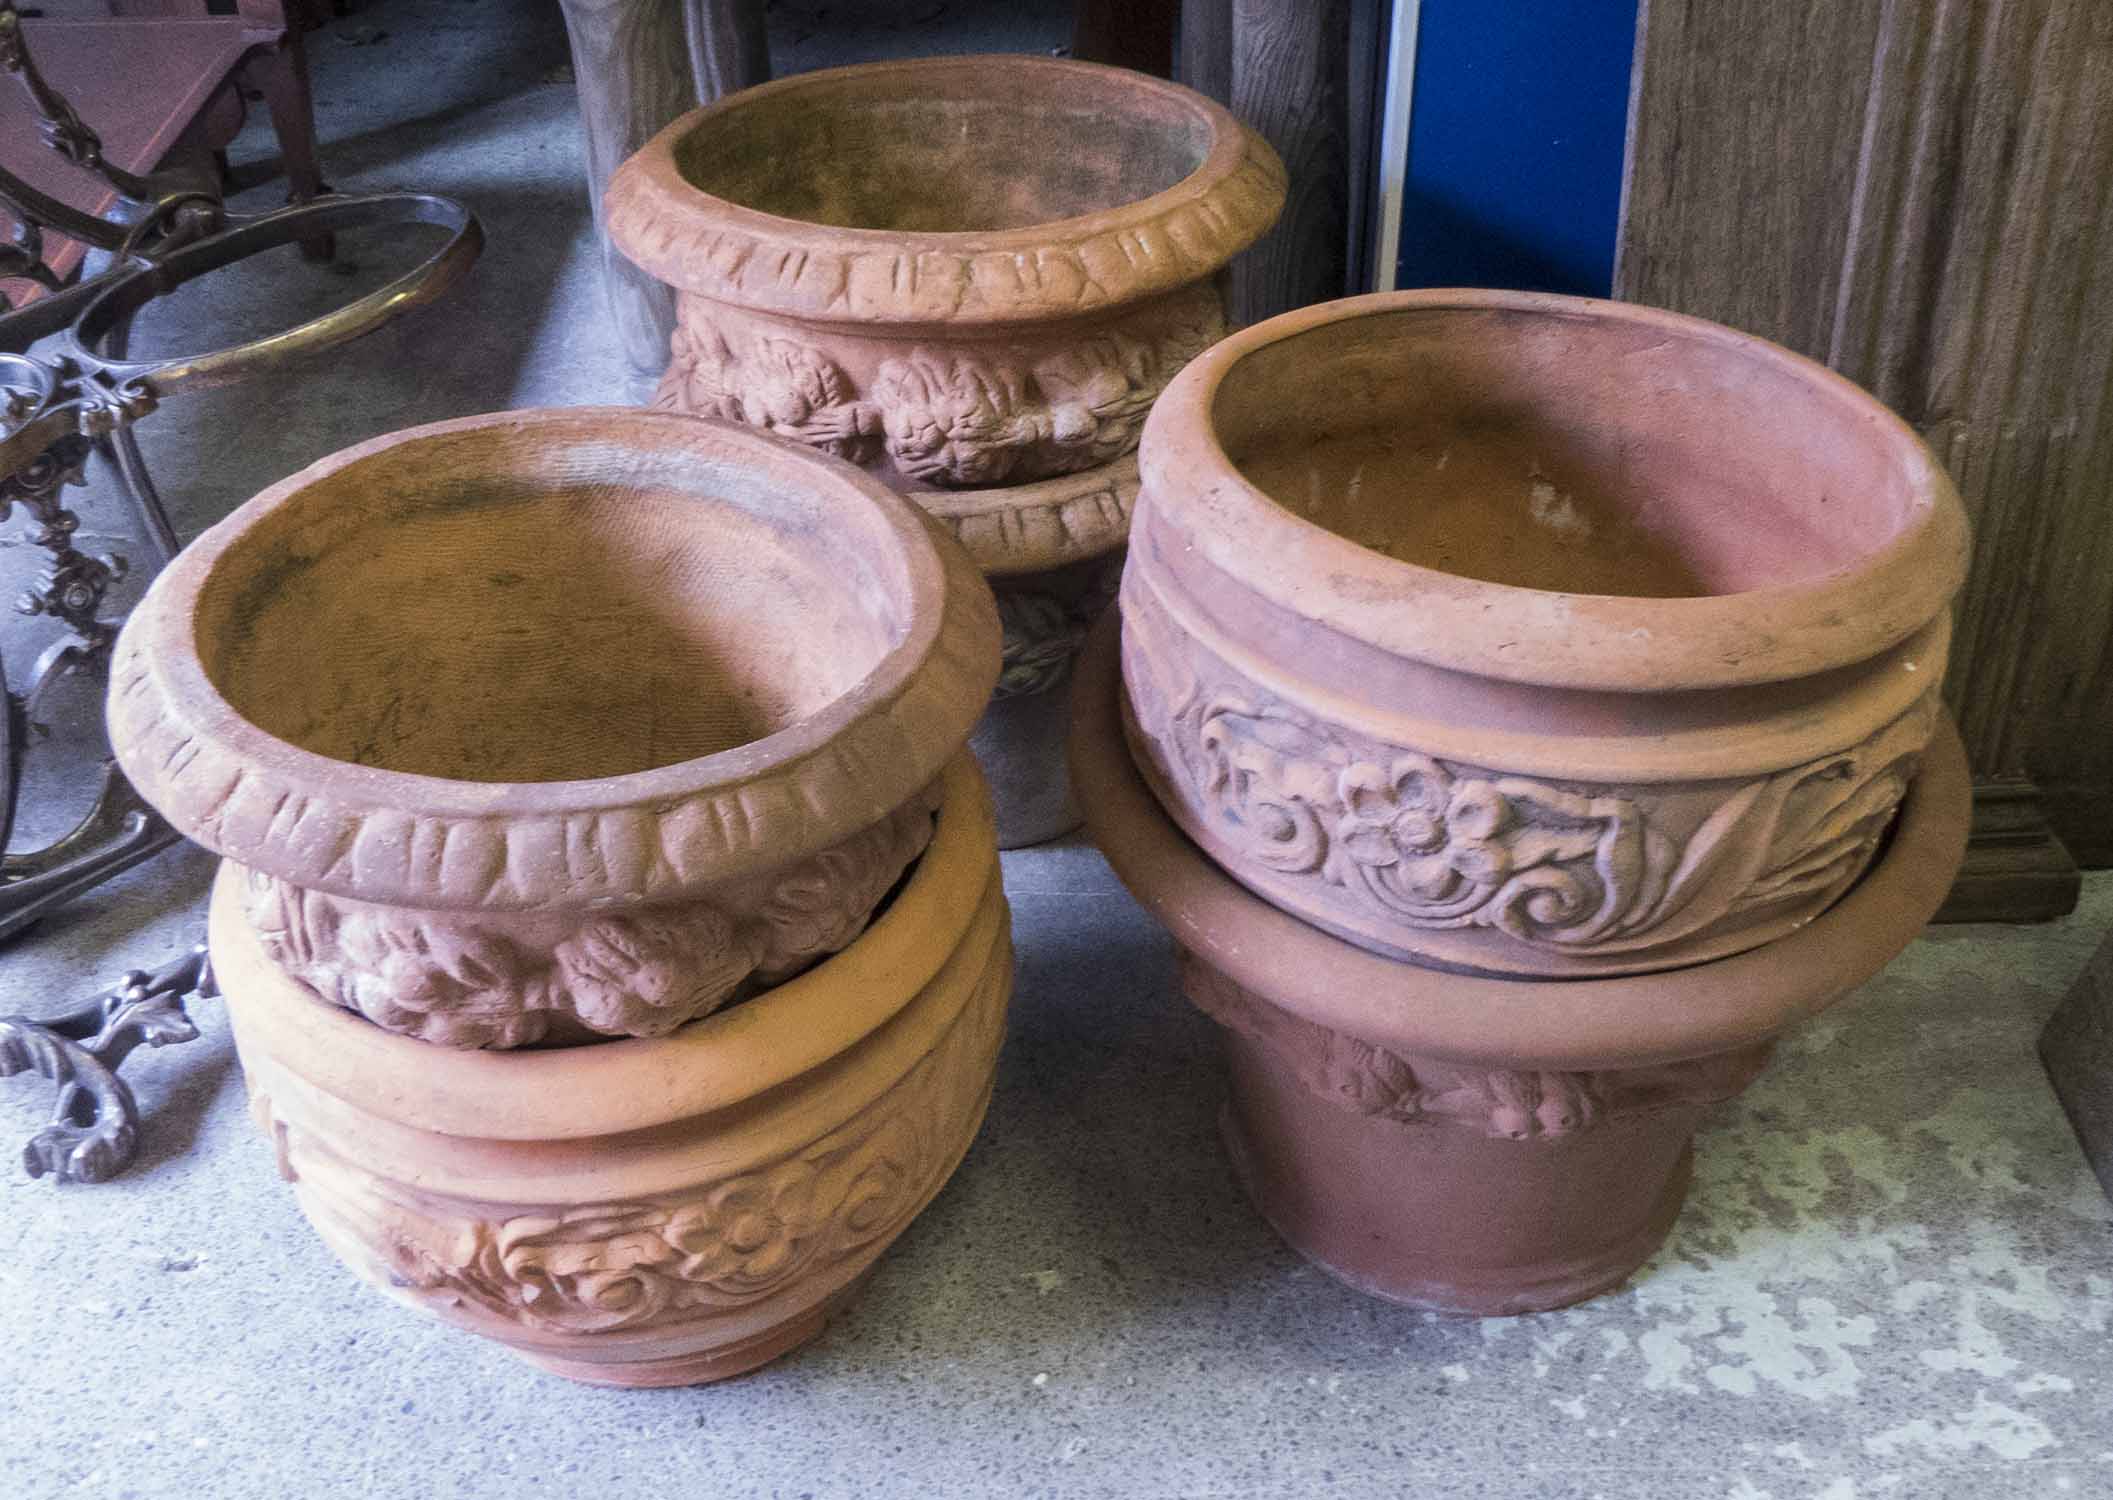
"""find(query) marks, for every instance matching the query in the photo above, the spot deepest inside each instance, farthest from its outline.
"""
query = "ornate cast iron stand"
(81, 395)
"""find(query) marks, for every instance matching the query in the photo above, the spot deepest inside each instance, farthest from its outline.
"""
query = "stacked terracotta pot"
(1526, 708)
(609, 916)
(972, 276)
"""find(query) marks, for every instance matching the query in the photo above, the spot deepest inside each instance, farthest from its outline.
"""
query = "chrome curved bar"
(125, 289)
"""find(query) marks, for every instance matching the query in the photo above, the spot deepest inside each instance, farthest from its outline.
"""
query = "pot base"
(1459, 1188)
(651, 1212)
(710, 1366)
(1427, 1277)
(1466, 1143)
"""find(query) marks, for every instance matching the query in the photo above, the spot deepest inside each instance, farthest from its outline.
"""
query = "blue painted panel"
(1515, 143)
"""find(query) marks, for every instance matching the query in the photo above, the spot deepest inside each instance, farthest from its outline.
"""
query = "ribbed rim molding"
(700, 243)
(427, 841)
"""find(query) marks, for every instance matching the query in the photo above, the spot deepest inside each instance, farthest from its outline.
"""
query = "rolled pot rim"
(1629, 1021)
(438, 843)
(699, 242)
(733, 1057)
(1595, 641)
(1017, 530)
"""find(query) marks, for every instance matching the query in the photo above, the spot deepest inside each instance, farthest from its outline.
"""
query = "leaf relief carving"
(778, 385)
(449, 978)
(1509, 1104)
(1441, 845)
(723, 1246)
(940, 415)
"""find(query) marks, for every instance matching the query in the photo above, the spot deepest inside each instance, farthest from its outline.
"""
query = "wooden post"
(1915, 191)
(1283, 66)
(729, 49)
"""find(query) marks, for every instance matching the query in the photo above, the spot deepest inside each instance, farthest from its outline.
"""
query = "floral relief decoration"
(940, 415)
(1440, 844)
(606, 1267)
(1506, 1103)
(448, 978)
(779, 385)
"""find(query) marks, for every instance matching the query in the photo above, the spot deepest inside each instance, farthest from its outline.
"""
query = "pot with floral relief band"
(1533, 635)
(551, 726)
(973, 276)
(1473, 1143)
(660, 1210)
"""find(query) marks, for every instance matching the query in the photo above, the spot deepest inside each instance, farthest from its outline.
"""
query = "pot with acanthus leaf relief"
(1475, 1143)
(1534, 635)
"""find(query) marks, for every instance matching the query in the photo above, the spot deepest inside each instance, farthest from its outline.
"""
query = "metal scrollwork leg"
(81, 393)
(120, 830)
(94, 1127)
(74, 582)
(119, 447)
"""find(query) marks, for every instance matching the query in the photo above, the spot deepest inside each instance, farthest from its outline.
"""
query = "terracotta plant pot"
(972, 275)
(660, 1211)
(1470, 1143)
(1534, 635)
(549, 726)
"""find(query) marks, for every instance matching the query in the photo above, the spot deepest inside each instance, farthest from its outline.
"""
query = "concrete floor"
(1894, 1278)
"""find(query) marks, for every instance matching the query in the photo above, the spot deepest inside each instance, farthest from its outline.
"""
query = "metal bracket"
(94, 1127)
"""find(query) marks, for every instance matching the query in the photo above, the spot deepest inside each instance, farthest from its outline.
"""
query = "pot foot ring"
(1428, 1279)
(708, 1366)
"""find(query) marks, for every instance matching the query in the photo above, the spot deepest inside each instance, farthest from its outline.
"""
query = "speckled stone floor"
(1894, 1277)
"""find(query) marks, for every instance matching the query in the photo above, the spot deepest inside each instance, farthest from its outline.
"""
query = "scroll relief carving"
(600, 1268)
(940, 414)
(1572, 867)
(449, 978)
(1511, 1104)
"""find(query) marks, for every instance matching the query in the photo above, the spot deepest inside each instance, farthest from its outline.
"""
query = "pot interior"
(1568, 452)
(504, 604)
(946, 147)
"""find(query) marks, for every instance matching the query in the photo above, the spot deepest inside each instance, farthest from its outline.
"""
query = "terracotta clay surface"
(973, 276)
(1535, 635)
(963, 271)
(660, 1211)
(549, 725)
(1471, 1143)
